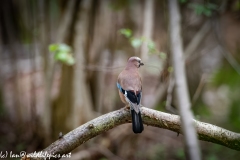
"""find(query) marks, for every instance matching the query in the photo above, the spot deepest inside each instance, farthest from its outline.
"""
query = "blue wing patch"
(119, 87)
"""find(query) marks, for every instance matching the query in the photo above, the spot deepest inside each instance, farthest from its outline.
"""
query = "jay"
(130, 91)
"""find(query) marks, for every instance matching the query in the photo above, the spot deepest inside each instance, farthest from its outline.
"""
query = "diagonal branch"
(78, 136)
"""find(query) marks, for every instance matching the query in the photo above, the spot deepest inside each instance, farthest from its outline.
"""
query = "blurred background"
(59, 62)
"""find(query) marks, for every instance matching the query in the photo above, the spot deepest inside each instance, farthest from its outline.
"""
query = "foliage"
(126, 32)
(156, 152)
(215, 152)
(236, 6)
(203, 9)
(182, 1)
(119, 4)
(180, 153)
(226, 75)
(137, 42)
(229, 77)
(62, 53)
(201, 110)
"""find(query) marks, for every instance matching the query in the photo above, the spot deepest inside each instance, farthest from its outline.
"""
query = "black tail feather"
(137, 125)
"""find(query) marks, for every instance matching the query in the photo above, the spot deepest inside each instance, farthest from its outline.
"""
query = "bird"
(129, 84)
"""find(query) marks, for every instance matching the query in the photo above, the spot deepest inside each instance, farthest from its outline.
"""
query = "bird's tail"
(137, 125)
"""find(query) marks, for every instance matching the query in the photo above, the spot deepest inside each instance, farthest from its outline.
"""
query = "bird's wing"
(130, 96)
(130, 84)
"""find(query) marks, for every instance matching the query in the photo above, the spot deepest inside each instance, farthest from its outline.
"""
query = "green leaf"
(64, 48)
(163, 55)
(65, 58)
(136, 42)
(70, 60)
(205, 9)
(62, 53)
(61, 56)
(53, 47)
(208, 13)
(126, 32)
(151, 45)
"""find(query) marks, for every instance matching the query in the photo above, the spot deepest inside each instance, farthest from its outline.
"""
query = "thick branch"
(78, 136)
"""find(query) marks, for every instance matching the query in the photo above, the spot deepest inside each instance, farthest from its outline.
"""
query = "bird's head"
(136, 61)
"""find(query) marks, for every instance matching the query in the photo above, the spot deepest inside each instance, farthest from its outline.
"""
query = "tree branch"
(78, 136)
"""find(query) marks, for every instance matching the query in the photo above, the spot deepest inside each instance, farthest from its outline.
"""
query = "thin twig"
(101, 68)
(226, 53)
(169, 107)
(197, 39)
(199, 88)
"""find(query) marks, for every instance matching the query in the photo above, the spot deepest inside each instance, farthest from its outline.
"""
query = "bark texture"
(80, 135)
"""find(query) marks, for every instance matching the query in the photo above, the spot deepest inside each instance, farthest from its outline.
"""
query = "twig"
(80, 135)
(101, 68)
(198, 38)
(159, 94)
(225, 52)
(169, 107)
(199, 88)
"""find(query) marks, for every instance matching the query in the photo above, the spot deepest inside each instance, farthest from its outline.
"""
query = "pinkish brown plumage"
(130, 90)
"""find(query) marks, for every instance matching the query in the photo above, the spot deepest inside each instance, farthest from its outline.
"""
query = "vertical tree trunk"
(98, 54)
(82, 105)
(147, 26)
(100, 81)
(44, 41)
(61, 106)
(56, 113)
(190, 136)
(13, 47)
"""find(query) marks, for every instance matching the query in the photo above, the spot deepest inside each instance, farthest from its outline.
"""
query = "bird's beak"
(140, 64)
